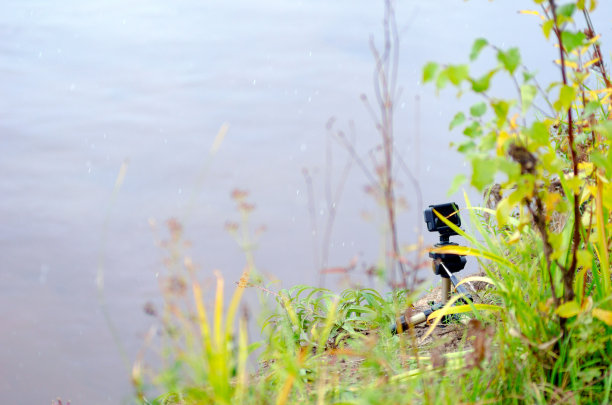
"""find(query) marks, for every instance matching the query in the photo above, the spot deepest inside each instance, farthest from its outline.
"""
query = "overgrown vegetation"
(544, 331)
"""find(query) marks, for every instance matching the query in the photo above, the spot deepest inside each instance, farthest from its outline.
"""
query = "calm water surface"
(87, 85)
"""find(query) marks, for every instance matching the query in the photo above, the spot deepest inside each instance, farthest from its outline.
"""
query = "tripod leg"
(446, 288)
(461, 290)
(415, 319)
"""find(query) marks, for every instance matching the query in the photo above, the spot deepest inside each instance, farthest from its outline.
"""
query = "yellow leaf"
(568, 309)
(513, 124)
(544, 306)
(592, 190)
(501, 140)
(603, 315)
(568, 63)
(531, 12)
(502, 212)
(593, 40)
(587, 167)
(585, 258)
(573, 182)
(591, 62)
(516, 236)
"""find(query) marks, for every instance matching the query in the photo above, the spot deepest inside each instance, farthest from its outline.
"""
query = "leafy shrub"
(552, 211)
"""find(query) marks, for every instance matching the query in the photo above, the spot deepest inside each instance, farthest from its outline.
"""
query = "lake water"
(88, 85)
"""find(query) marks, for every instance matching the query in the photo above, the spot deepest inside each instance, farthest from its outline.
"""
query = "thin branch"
(568, 276)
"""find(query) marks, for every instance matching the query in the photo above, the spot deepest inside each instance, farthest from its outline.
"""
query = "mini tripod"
(443, 264)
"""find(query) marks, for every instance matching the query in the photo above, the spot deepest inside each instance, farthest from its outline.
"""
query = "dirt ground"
(445, 338)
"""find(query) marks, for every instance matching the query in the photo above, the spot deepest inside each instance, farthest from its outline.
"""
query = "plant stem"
(569, 273)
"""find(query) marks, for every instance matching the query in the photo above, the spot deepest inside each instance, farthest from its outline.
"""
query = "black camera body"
(452, 262)
(449, 211)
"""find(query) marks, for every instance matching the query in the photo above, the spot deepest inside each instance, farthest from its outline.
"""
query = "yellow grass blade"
(487, 280)
(329, 323)
(448, 309)
(233, 307)
(467, 251)
(218, 317)
(290, 311)
(602, 239)
(438, 319)
(455, 228)
(483, 209)
(219, 138)
(202, 317)
(286, 390)
(461, 309)
(454, 361)
(242, 361)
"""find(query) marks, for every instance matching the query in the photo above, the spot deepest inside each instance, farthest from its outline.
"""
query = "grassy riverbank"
(540, 327)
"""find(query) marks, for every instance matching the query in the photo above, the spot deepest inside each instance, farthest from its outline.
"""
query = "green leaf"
(457, 73)
(568, 309)
(601, 161)
(457, 120)
(442, 79)
(539, 133)
(574, 183)
(482, 84)
(585, 258)
(501, 109)
(477, 47)
(566, 10)
(591, 108)
(566, 97)
(429, 71)
(605, 128)
(478, 110)
(458, 181)
(527, 76)
(547, 27)
(488, 142)
(466, 147)
(511, 168)
(510, 59)
(572, 40)
(483, 172)
(503, 211)
(528, 93)
(473, 130)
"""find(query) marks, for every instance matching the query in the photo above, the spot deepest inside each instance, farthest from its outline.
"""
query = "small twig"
(313, 218)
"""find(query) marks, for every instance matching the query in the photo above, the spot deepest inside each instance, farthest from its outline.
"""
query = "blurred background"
(88, 85)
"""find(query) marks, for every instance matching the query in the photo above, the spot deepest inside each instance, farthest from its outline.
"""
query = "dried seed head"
(149, 309)
(523, 157)
(239, 195)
